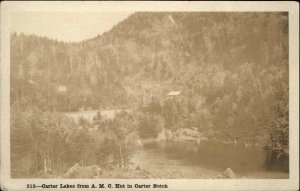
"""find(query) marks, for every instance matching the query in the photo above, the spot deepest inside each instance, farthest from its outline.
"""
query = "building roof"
(174, 93)
(62, 88)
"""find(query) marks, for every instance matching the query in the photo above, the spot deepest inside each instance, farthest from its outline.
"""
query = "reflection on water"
(216, 155)
(204, 160)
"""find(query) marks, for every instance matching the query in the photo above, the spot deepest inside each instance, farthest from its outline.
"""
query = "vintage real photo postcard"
(149, 96)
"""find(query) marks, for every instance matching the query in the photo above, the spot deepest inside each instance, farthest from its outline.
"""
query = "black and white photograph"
(137, 94)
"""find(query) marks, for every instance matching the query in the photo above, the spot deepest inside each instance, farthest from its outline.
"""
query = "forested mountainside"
(232, 70)
(208, 55)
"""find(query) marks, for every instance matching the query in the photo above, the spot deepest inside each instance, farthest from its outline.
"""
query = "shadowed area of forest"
(171, 76)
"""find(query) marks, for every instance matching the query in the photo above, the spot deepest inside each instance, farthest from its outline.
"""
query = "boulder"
(188, 134)
(165, 134)
(138, 168)
(89, 172)
(138, 143)
(181, 134)
(228, 173)
(162, 135)
(72, 171)
(76, 171)
(169, 134)
(43, 174)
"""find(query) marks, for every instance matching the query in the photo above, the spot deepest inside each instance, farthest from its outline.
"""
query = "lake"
(205, 160)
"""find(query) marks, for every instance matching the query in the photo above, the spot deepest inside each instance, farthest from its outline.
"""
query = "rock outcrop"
(181, 134)
(77, 171)
(228, 173)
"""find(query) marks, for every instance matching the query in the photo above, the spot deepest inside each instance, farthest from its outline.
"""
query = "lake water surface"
(205, 160)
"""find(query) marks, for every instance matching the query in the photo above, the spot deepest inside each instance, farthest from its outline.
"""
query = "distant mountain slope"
(208, 55)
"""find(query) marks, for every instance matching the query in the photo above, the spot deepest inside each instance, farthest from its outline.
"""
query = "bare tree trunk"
(126, 158)
(36, 160)
(45, 166)
(234, 141)
(68, 105)
(71, 62)
(115, 159)
(120, 162)
(42, 51)
(22, 92)
(27, 164)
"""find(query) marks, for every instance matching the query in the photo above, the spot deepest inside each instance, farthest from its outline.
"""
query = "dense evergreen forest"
(232, 69)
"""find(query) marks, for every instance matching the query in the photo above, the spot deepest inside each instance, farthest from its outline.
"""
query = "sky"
(66, 26)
